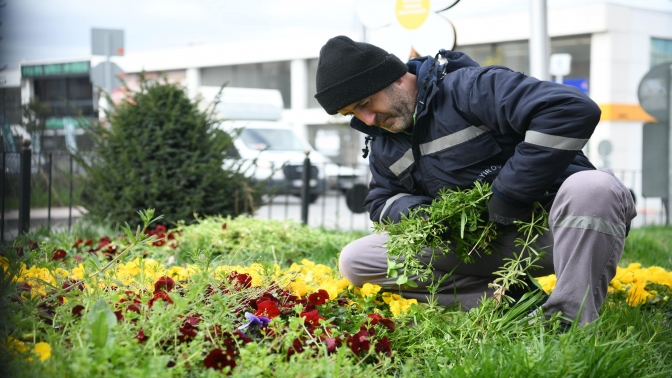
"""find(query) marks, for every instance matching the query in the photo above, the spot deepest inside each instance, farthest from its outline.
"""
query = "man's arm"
(388, 198)
(556, 121)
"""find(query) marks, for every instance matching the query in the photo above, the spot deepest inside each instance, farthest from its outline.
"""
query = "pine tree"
(159, 150)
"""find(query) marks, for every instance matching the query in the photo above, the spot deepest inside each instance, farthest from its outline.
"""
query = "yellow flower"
(14, 345)
(43, 350)
(369, 289)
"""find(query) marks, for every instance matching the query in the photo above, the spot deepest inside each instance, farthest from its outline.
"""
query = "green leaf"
(99, 331)
(101, 322)
(463, 223)
(411, 283)
(402, 280)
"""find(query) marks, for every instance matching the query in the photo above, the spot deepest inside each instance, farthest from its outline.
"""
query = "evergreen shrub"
(160, 150)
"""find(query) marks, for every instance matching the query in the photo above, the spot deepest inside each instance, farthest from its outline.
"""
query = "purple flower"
(255, 322)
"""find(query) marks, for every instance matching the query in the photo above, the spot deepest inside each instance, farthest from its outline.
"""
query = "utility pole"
(539, 41)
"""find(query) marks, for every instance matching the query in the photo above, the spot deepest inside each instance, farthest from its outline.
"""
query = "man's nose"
(367, 117)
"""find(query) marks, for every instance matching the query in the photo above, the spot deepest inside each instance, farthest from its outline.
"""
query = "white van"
(270, 149)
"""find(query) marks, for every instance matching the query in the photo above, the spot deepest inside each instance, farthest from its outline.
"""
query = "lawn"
(249, 297)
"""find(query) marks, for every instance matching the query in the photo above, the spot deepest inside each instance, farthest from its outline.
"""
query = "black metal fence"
(41, 191)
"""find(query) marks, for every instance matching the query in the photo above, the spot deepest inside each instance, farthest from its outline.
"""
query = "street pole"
(539, 41)
(108, 69)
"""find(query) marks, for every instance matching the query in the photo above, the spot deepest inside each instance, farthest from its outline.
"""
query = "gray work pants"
(587, 222)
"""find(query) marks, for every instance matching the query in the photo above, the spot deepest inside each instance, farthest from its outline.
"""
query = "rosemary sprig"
(454, 223)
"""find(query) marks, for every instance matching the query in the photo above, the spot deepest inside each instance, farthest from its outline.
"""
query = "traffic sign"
(654, 92)
(97, 75)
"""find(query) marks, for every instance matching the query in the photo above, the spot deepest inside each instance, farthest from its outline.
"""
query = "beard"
(402, 107)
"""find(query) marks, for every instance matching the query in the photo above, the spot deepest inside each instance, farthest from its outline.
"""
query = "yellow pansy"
(368, 289)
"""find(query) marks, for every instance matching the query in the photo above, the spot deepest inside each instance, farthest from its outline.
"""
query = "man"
(437, 125)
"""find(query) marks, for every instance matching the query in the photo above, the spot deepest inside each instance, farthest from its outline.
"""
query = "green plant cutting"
(454, 223)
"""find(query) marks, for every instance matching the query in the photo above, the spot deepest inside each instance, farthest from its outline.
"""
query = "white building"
(612, 46)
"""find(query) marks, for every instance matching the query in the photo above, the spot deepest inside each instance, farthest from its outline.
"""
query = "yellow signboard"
(411, 14)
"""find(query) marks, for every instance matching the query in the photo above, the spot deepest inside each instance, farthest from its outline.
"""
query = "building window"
(516, 56)
(66, 96)
(269, 75)
(661, 51)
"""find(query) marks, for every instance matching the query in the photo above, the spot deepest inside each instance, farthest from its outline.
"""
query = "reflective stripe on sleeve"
(591, 223)
(451, 140)
(389, 203)
(554, 141)
(403, 163)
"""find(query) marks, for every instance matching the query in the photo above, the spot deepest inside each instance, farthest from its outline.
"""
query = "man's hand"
(505, 213)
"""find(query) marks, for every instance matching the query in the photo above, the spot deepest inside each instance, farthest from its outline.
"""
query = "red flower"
(242, 281)
(267, 308)
(160, 295)
(312, 317)
(218, 359)
(164, 283)
(383, 346)
(189, 328)
(375, 319)
(105, 240)
(359, 341)
(224, 226)
(78, 243)
(318, 298)
(141, 336)
(133, 307)
(59, 254)
(297, 347)
(160, 229)
(77, 310)
(332, 344)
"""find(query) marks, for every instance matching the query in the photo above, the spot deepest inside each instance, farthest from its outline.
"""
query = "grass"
(627, 341)
(650, 245)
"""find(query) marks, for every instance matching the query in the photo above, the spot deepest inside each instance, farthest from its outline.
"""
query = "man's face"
(390, 109)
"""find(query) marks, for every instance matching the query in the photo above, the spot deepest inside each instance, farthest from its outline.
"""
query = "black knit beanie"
(349, 71)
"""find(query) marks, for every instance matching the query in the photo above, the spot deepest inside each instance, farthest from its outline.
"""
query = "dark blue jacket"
(486, 124)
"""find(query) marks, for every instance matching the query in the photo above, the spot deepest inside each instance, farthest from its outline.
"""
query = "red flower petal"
(162, 296)
(319, 298)
(383, 346)
(77, 310)
(164, 283)
(218, 359)
(59, 254)
(312, 317)
(141, 336)
(267, 308)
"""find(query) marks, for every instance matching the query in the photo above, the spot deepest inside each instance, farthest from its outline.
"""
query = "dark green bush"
(159, 150)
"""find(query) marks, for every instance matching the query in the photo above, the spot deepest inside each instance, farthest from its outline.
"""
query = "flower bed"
(199, 316)
(207, 315)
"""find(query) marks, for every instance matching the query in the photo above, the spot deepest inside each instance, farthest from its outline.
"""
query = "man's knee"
(346, 262)
(364, 260)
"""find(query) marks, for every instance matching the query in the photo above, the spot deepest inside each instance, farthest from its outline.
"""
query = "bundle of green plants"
(454, 223)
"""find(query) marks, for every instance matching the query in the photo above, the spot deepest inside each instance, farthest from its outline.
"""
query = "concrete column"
(299, 93)
(540, 43)
(193, 81)
(27, 90)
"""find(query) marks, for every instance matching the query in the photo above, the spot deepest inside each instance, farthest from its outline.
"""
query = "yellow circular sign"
(411, 14)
